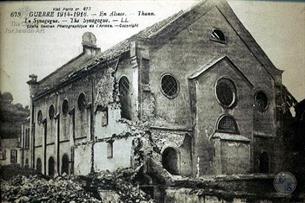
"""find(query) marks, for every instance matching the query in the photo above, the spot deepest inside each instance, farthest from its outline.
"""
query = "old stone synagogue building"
(192, 95)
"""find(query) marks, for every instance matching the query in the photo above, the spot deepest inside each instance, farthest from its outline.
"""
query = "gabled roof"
(159, 33)
(205, 68)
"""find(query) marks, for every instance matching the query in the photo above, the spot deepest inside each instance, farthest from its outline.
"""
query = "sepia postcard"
(187, 101)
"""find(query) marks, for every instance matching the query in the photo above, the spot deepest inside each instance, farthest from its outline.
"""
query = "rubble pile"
(121, 181)
(38, 189)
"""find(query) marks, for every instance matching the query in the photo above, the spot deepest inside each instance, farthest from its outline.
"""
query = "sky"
(277, 26)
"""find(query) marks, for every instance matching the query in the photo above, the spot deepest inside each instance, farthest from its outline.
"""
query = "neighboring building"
(9, 151)
(26, 145)
(194, 93)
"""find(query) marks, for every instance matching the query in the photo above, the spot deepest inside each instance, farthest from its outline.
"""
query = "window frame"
(227, 131)
(212, 38)
(234, 100)
(79, 107)
(177, 82)
(261, 110)
(110, 149)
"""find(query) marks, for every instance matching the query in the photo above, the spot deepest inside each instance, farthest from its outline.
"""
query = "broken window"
(170, 160)
(169, 86)
(81, 102)
(218, 36)
(261, 101)
(225, 92)
(110, 150)
(65, 164)
(13, 156)
(65, 107)
(264, 163)
(227, 124)
(51, 165)
(124, 97)
(39, 117)
(39, 165)
(51, 112)
(104, 117)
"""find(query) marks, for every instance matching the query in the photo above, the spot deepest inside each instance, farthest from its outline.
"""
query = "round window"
(169, 86)
(226, 92)
(51, 112)
(261, 101)
(81, 102)
(39, 117)
(65, 107)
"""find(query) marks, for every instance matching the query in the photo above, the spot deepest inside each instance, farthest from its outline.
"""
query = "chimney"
(89, 44)
(33, 79)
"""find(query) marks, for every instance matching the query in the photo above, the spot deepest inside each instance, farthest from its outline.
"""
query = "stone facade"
(194, 93)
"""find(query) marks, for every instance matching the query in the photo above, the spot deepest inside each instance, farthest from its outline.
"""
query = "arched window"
(124, 97)
(51, 165)
(51, 112)
(226, 92)
(228, 124)
(261, 101)
(26, 163)
(81, 102)
(65, 107)
(38, 165)
(264, 163)
(169, 86)
(170, 160)
(39, 117)
(218, 35)
(65, 164)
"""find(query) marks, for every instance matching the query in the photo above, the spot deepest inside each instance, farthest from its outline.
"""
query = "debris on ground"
(91, 188)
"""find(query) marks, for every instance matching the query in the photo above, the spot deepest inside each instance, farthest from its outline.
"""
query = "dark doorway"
(38, 165)
(26, 163)
(170, 160)
(65, 164)
(51, 165)
(264, 163)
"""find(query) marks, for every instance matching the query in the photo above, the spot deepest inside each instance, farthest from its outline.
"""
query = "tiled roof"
(159, 31)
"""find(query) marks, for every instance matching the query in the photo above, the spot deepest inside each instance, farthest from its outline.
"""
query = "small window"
(13, 156)
(81, 102)
(39, 117)
(51, 112)
(218, 36)
(169, 86)
(104, 117)
(110, 150)
(227, 124)
(226, 92)
(65, 107)
(123, 86)
(27, 139)
(261, 101)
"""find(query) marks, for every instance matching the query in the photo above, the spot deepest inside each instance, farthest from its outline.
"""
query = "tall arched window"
(51, 165)
(39, 117)
(81, 102)
(228, 124)
(65, 164)
(124, 97)
(38, 165)
(65, 107)
(51, 112)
